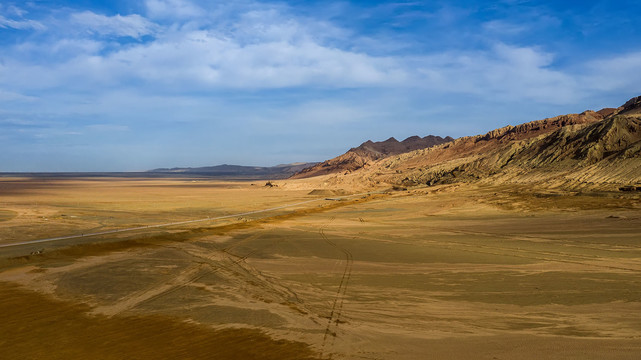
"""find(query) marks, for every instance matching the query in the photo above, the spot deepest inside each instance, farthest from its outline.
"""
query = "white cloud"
(14, 10)
(500, 73)
(280, 55)
(172, 9)
(260, 47)
(57, 50)
(21, 24)
(205, 60)
(14, 96)
(522, 22)
(134, 26)
(107, 128)
(622, 72)
(18, 122)
(268, 25)
(503, 27)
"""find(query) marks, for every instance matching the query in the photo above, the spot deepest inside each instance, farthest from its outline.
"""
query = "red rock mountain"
(356, 158)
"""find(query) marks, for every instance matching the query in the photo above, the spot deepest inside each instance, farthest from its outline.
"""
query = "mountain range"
(358, 157)
(594, 149)
(236, 171)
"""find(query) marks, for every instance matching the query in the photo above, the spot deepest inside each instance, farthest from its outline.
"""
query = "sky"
(135, 85)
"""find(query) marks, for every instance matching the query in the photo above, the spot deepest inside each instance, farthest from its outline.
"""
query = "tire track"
(280, 291)
(236, 267)
(339, 299)
(207, 261)
(186, 277)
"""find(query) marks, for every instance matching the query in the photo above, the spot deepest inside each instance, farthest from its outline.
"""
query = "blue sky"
(135, 85)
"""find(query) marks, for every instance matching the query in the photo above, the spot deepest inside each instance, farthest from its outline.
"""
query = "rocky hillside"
(593, 149)
(356, 158)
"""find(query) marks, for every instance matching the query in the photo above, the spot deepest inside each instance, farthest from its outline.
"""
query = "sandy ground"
(439, 273)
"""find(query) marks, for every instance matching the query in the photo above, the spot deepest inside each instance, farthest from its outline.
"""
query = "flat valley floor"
(449, 272)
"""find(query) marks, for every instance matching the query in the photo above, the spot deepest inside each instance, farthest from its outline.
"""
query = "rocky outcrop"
(632, 106)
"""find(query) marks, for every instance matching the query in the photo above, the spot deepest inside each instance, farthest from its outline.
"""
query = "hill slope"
(592, 149)
(356, 158)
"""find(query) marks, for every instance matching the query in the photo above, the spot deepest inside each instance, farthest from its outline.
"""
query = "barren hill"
(356, 158)
(592, 149)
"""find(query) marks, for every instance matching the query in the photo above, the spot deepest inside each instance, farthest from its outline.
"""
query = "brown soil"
(452, 272)
(37, 327)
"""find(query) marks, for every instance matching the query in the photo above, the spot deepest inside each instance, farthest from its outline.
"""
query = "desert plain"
(297, 271)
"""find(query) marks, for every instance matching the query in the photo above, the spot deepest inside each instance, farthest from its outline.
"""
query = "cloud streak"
(134, 26)
(20, 24)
